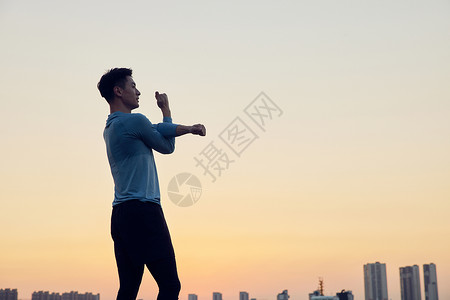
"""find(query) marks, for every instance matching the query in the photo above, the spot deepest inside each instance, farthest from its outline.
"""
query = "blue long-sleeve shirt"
(130, 138)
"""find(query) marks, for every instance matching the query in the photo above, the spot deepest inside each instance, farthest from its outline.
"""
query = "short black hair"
(112, 78)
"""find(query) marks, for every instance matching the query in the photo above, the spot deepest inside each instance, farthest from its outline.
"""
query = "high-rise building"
(192, 297)
(217, 296)
(243, 296)
(8, 294)
(375, 282)
(283, 295)
(410, 283)
(430, 282)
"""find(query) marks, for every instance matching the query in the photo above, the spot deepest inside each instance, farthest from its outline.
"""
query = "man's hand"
(198, 129)
(163, 103)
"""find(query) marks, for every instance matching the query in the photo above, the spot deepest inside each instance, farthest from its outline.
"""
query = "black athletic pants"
(163, 270)
(141, 238)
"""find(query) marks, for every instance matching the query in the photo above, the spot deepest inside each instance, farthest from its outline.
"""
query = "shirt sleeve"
(160, 137)
(166, 128)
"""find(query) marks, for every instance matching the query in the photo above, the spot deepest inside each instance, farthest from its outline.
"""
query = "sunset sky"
(355, 170)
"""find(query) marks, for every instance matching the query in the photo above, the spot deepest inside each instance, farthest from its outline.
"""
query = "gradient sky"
(355, 170)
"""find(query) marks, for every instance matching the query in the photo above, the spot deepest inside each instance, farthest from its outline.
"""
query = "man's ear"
(117, 91)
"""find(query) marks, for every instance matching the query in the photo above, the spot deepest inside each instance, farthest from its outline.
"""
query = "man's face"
(130, 94)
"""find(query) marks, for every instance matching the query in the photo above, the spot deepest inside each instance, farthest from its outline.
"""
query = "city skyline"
(375, 286)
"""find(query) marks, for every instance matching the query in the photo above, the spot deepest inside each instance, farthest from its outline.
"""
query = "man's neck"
(118, 106)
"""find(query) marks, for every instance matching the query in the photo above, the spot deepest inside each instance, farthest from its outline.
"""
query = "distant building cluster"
(375, 285)
(11, 294)
(8, 294)
(218, 296)
(319, 294)
(44, 295)
(344, 295)
(375, 282)
(284, 295)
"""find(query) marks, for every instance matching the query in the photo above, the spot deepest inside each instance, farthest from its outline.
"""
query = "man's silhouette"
(138, 227)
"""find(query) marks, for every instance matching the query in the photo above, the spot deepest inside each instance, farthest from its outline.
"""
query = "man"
(138, 227)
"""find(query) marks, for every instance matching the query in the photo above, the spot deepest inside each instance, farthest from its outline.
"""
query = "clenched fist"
(198, 129)
(163, 103)
(162, 100)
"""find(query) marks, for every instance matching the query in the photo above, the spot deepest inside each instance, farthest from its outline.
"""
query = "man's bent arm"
(166, 129)
(163, 103)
